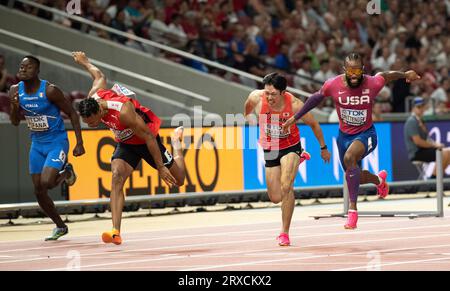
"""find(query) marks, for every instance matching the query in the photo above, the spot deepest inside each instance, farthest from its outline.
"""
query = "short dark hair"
(324, 61)
(88, 107)
(354, 57)
(34, 59)
(276, 80)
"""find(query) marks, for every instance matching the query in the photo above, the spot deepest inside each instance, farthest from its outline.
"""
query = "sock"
(353, 177)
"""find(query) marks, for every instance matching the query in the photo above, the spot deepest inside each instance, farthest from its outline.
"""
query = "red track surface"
(385, 244)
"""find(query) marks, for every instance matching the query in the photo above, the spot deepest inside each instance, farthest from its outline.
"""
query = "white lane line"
(259, 262)
(263, 250)
(189, 246)
(208, 234)
(378, 266)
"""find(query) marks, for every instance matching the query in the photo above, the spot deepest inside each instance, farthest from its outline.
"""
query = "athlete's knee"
(39, 191)
(118, 178)
(47, 184)
(349, 161)
(286, 188)
(275, 198)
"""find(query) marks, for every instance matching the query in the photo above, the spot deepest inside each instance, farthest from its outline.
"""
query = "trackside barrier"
(439, 186)
(133, 203)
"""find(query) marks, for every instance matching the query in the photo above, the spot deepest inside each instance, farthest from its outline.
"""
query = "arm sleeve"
(310, 103)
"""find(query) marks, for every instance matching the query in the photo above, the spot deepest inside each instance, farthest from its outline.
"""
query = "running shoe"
(283, 240)
(352, 219)
(383, 188)
(73, 177)
(112, 236)
(304, 156)
(57, 233)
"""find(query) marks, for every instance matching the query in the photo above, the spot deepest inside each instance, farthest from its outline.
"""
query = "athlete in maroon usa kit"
(354, 94)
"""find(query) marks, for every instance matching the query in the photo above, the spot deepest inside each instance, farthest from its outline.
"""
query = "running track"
(378, 244)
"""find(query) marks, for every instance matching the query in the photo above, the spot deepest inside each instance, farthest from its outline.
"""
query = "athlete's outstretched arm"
(129, 118)
(309, 120)
(310, 104)
(14, 105)
(99, 78)
(56, 96)
(410, 76)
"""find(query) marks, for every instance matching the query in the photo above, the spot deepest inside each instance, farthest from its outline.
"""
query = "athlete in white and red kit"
(136, 131)
(354, 94)
(282, 151)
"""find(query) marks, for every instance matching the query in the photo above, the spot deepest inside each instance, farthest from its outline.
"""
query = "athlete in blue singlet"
(41, 103)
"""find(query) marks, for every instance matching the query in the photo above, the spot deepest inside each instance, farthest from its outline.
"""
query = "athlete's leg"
(178, 168)
(45, 202)
(40, 158)
(289, 169)
(352, 156)
(273, 181)
(121, 170)
(369, 178)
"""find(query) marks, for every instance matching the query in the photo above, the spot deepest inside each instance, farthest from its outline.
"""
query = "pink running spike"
(283, 240)
(383, 188)
(304, 156)
(352, 219)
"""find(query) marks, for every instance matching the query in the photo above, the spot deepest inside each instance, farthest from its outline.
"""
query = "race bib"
(275, 131)
(354, 117)
(122, 90)
(123, 135)
(37, 123)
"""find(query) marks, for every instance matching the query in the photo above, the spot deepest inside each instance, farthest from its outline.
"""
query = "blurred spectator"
(282, 59)
(60, 19)
(119, 24)
(6, 80)
(325, 71)
(3, 74)
(176, 29)
(441, 96)
(302, 79)
(377, 111)
(419, 146)
(406, 35)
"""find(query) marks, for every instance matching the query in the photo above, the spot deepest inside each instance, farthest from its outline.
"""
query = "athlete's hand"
(167, 177)
(80, 58)
(326, 155)
(15, 99)
(78, 150)
(411, 76)
(288, 124)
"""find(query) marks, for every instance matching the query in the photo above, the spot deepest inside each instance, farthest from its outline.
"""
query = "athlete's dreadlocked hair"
(276, 80)
(354, 57)
(88, 107)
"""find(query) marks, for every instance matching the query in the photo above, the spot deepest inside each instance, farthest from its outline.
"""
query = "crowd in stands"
(305, 39)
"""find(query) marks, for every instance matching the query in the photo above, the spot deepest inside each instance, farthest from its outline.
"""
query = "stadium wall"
(217, 159)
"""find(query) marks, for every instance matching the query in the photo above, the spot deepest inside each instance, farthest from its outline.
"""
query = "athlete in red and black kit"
(282, 151)
(135, 129)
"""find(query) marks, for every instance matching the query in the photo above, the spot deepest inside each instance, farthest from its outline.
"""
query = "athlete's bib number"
(275, 131)
(123, 135)
(354, 117)
(37, 123)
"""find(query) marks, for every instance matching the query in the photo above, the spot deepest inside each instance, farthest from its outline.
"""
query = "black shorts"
(273, 157)
(426, 155)
(132, 154)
